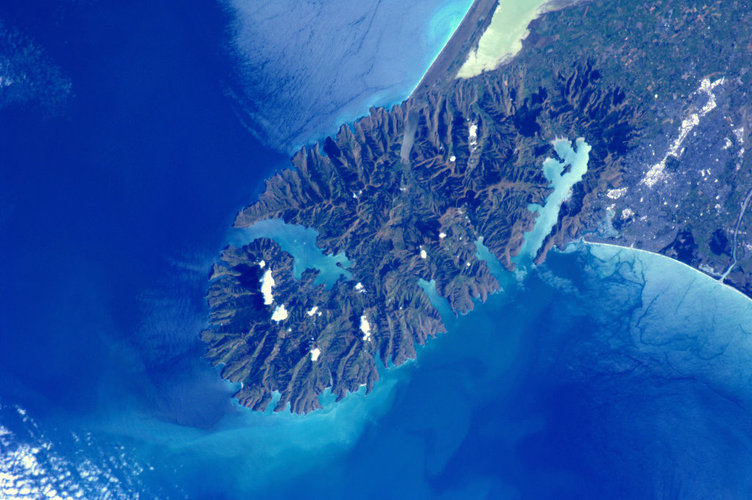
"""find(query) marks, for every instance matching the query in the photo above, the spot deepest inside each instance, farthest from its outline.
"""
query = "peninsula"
(659, 90)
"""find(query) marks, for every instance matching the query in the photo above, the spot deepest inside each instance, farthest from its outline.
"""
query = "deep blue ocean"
(125, 153)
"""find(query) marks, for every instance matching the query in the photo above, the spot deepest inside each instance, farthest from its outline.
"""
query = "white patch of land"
(472, 134)
(423, 254)
(312, 310)
(315, 353)
(262, 264)
(267, 282)
(365, 327)
(739, 133)
(708, 270)
(359, 287)
(503, 37)
(657, 171)
(442, 235)
(280, 313)
(615, 194)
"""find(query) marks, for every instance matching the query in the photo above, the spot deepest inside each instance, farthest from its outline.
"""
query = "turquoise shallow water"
(604, 363)
(556, 386)
(562, 175)
(604, 373)
(300, 242)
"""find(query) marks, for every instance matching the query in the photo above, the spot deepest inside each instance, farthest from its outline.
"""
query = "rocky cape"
(405, 193)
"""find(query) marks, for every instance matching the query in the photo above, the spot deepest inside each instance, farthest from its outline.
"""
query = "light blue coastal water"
(562, 180)
(495, 267)
(440, 303)
(549, 390)
(305, 68)
(596, 368)
(300, 242)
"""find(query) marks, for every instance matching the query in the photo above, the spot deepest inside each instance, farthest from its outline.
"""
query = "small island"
(661, 94)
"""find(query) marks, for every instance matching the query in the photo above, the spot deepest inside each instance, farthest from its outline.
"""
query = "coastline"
(452, 56)
(466, 38)
(583, 241)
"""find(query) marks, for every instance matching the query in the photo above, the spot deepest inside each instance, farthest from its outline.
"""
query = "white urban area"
(657, 171)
